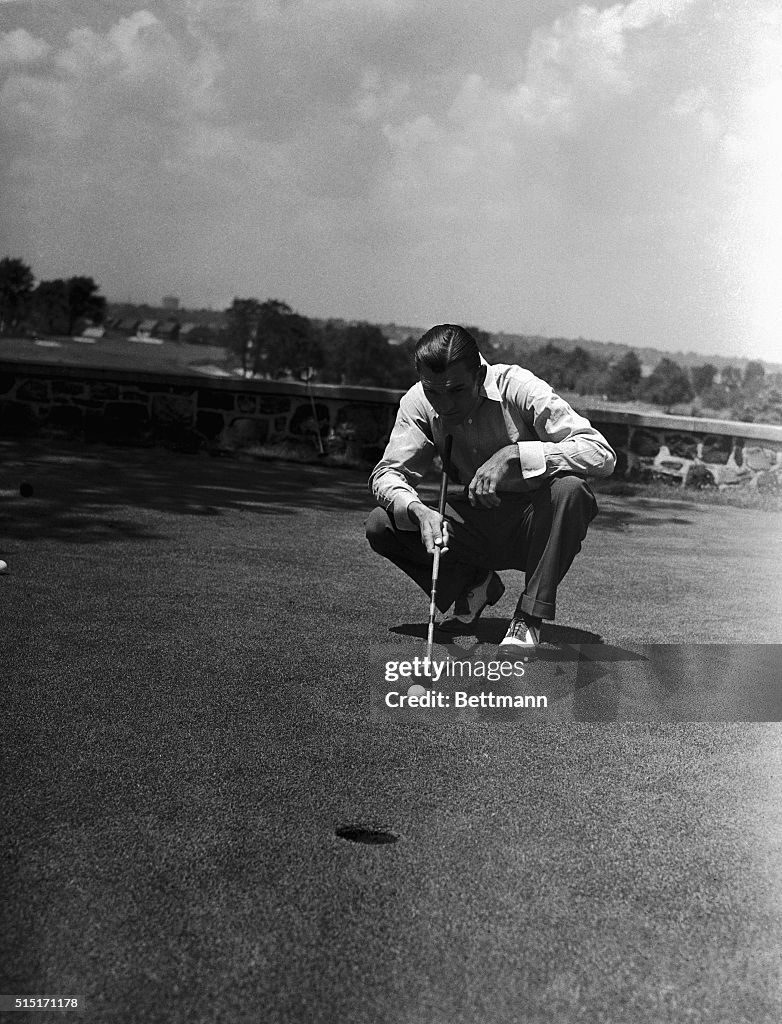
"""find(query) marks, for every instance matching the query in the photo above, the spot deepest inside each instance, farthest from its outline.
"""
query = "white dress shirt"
(514, 407)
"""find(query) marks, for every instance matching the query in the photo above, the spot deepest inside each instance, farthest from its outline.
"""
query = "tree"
(242, 331)
(624, 377)
(564, 368)
(593, 381)
(754, 374)
(703, 377)
(82, 300)
(667, 384)
(583, 371)
(269, 338)
(50, 305)
(16, 288)
(360, 354)
(286, 341)
(549, 363)
(731, 377)
(59, 304)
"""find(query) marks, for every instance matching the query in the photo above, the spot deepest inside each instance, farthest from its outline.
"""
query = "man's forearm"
(517, 464)
(586, 453)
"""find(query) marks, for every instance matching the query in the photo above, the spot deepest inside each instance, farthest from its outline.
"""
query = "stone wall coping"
(381, 396)
(343, 392)
(686, 424)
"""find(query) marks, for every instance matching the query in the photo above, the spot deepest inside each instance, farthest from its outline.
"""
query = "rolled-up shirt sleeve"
(406, 460)
(568, 441)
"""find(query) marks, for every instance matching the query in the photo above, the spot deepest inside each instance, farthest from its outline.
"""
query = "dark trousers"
(540, 532)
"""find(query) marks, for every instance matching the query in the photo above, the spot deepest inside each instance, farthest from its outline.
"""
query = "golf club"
(437, 550)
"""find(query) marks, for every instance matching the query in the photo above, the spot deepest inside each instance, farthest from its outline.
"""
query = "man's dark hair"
(444, 345)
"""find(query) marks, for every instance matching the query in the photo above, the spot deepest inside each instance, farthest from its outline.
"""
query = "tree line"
(53, 306)
(268, 338)
(749, 394)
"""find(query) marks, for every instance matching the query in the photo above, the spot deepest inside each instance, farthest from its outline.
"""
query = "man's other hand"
(433, 527)
(502, 468)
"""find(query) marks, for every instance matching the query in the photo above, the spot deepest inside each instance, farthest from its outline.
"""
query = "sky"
(607, 171)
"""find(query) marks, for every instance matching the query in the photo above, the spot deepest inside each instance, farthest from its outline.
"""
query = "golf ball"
(3, 566)
(416, 690)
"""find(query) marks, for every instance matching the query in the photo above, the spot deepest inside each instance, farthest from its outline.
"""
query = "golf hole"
(366, 834)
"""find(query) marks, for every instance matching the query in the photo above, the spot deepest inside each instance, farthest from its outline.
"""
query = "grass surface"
(183, 677)
(112, 353)
(733, 496)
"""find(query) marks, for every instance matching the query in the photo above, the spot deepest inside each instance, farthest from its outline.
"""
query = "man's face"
(454, 393)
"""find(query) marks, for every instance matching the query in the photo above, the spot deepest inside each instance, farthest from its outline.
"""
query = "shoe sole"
(499, 589)
(519, 645)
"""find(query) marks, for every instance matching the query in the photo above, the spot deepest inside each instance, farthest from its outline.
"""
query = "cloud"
(296, 12)
(752, 152)
(19, 47)
(603, 171)
(640, 14)
(92, 135)
(603, 98)
(134, 45)
(579, 168)
(135, 70)
(187, 155)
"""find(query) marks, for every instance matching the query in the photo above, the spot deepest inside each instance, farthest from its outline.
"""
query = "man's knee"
(571, 489)
(574, 495)
(378, 529)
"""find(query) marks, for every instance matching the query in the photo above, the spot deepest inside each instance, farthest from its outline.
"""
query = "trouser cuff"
(538, 609)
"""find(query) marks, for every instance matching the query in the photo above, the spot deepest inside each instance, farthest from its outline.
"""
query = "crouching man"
(519, 497)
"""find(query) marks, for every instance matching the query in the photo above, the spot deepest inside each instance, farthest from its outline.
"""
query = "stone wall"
(196, 413)
(693, 452)
(192, 412)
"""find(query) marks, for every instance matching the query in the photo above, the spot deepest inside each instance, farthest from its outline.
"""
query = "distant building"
(146, 333)
(198, 334)
(94, 333)
(168, 330)
(127, 325)
(170, 302)
(147, 328)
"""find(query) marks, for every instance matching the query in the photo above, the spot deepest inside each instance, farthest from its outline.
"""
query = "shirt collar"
(489, 388)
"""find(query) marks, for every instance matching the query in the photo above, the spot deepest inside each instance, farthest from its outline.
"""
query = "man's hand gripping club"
(434, 527)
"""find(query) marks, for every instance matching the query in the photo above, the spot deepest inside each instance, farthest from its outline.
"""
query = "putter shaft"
(437, 551)
(432, 604)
